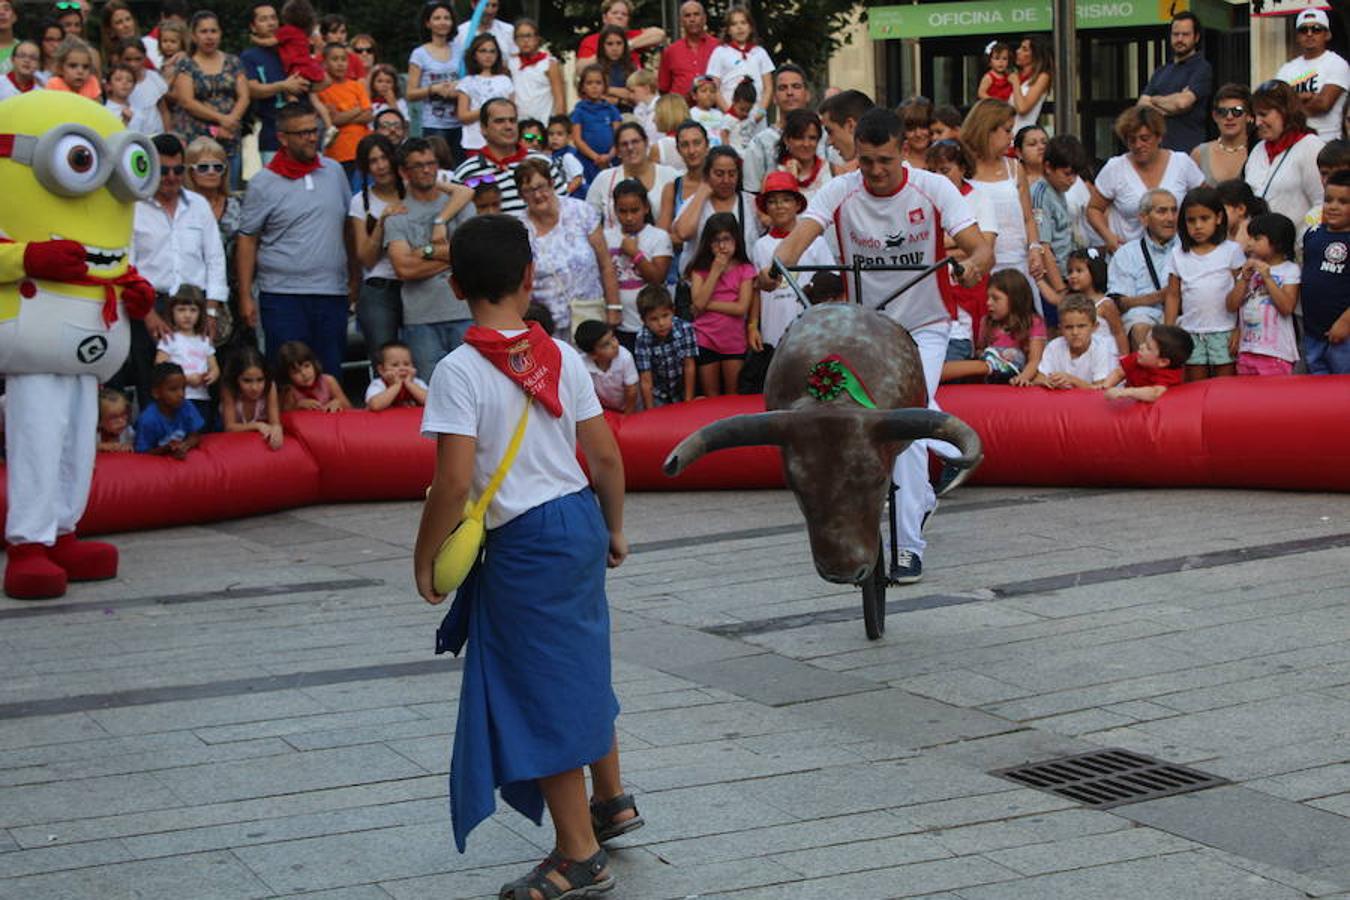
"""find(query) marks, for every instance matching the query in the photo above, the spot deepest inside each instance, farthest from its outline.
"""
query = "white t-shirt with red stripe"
(905, 228)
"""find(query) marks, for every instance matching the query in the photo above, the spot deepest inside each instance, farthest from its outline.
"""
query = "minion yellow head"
(69, 170)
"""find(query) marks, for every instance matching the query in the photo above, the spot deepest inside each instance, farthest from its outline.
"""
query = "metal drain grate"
(1106, 778)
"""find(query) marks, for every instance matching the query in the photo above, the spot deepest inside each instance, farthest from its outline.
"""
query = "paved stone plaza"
(254, 710)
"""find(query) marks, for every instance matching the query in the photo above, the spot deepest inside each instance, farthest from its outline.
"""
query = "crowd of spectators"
(675, 171)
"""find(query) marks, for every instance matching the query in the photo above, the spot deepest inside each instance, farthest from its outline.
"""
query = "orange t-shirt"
(340, 97)
(90, 88)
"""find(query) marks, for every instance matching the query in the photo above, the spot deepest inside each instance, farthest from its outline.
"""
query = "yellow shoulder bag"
(464, 546)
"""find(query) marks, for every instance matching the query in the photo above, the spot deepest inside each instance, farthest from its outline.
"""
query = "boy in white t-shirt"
(536, 702)
(398, 384)
(1076, 359)
(613, 371)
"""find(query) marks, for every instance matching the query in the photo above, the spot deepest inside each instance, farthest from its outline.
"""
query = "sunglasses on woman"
(364, 49)
(204, 168)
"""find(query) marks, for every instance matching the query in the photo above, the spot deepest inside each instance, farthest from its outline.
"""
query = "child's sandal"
(585, 878)
(603, 813)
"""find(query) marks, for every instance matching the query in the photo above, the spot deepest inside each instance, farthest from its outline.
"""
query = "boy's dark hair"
(331, 22)
(177, 8)
(1209, 198)
(538, 312)
(653, 298)
(331, 46)
(1335, 155)
(561, 119)
(298, 14)
(163, 372)
(483, 188)
(846, 105)
(948, 115)
(499, 246)
(411, 146)
(1277, 229)
(878, 126)
(1064, 151)
(745, 92)
(168, 144)
(390, 345)
(590, 333)
(1339, 179)
(1174, 344)
(825, 287)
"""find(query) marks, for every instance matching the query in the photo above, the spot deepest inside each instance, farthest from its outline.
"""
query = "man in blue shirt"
(1181, 89)
(268, 84)
(1138, 271)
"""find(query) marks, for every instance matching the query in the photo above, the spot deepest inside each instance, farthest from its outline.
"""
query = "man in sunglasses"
(1181, 89)
(174, 241)
(1320, 76)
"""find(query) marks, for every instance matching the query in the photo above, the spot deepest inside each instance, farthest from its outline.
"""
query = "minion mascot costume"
(69, 176)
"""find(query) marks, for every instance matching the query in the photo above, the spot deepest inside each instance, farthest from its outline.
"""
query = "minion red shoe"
(30, 575)
(84, 560)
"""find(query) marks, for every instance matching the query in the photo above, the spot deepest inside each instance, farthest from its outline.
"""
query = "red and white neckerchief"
(742, 49)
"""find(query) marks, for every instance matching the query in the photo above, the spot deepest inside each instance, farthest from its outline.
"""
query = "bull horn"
(914, 424)
(736, 431)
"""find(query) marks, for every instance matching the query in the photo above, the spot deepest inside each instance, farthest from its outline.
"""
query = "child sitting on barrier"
(1077, 358)
(665, 351)
(1012, 336)
(610, 365)
(398, 384)
(248, 398)
(115, 434)
(170, 426)
(1154, 367)
(304, 384)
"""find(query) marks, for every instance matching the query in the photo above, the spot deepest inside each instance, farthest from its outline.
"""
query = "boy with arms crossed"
(533, 610)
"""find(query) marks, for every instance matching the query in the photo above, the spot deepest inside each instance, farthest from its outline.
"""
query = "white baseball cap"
(1313, 17)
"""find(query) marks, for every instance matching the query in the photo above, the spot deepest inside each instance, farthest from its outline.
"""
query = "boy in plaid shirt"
(665, 350)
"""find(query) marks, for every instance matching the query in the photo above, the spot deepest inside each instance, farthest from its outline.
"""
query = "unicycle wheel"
(874, 599)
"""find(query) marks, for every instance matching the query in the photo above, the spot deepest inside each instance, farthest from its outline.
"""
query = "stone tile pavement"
(253, 710)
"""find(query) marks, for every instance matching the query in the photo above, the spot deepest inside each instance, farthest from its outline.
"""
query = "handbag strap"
(479, 508)
(1148, 261)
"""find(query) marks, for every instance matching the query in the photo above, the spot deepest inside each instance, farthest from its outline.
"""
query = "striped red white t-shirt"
(904, 228)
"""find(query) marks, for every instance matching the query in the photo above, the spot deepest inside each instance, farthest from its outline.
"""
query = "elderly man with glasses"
(175, 242)
(1319, 76)
(292, 237)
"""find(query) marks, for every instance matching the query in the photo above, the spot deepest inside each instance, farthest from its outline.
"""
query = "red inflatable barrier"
(1288, 433)
(229, 476)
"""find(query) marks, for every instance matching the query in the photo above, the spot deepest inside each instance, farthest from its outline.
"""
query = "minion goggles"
(74, 160)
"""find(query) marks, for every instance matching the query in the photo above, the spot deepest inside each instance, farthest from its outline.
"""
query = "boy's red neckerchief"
(532, 360)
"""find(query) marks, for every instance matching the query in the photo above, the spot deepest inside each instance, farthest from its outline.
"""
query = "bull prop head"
(838, 455)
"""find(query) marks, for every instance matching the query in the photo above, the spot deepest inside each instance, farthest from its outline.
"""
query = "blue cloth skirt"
(536, 697)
